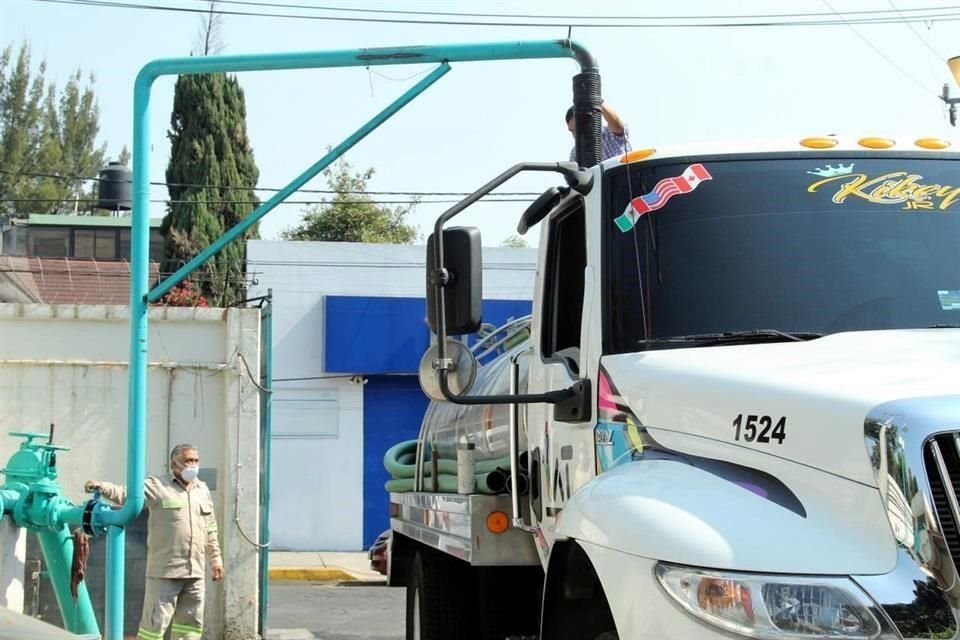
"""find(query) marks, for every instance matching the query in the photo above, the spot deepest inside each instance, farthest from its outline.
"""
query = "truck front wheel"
(436, 598)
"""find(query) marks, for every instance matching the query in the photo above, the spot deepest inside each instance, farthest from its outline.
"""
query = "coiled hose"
(400, 461)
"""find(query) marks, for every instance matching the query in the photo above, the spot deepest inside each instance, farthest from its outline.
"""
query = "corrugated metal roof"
(70, 280)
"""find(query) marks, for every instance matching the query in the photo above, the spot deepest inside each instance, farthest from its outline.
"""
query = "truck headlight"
(773, 606)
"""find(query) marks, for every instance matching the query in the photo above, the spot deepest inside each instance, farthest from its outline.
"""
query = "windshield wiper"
(943, 326)
(727, 337)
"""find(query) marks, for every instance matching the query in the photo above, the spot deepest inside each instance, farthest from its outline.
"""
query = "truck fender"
(793, 520)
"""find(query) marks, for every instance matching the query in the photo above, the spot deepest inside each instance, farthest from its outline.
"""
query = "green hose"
(400, 463)
(489, 482)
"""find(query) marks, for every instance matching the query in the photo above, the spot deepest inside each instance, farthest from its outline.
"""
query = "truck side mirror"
(463, 291)
(540, 208)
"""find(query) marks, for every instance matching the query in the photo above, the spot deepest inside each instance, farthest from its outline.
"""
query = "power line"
(537, 16)
(947, 16)
(72, 201)
(917, 33)
(881, 53)
(187, 185)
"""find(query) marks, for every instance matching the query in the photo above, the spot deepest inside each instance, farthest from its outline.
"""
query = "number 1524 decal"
(760, 429)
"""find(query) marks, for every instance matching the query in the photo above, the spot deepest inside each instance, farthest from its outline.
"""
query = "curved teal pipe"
(139, 235)
(78, 616)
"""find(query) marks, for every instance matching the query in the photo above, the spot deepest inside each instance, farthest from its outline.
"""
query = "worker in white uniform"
(181, 535)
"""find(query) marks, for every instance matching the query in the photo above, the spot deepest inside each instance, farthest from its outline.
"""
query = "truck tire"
(437, 595)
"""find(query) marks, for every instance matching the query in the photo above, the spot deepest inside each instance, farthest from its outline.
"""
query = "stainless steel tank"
(445, 424)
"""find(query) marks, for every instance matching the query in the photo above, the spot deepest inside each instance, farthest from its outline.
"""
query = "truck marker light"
(819, 142)
(498, 522)
(876, 143)
(634, 156)
(932, 143)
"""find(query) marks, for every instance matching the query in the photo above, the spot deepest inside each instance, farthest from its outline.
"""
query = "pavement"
(322, 566)
(318, 566)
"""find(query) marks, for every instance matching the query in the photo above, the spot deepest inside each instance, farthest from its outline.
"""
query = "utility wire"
(946, 16)
(187, 185)
(920, 37)
(276, 5)
(882, 54)
(72, 201)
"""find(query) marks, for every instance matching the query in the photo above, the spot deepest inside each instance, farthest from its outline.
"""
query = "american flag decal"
(661, 194)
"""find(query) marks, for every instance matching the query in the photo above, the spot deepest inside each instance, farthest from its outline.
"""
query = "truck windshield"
(811, 245)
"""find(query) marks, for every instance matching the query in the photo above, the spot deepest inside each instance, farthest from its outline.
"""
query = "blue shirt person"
(614, 135)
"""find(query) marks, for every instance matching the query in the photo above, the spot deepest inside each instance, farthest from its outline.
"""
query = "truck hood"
(822, 390)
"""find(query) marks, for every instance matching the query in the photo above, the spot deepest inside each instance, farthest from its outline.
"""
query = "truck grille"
(941, 458)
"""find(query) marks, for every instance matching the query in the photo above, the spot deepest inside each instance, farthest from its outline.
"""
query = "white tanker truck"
(733, 412)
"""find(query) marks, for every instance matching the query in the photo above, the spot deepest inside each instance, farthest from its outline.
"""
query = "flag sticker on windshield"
(949, 299)
(661, 193)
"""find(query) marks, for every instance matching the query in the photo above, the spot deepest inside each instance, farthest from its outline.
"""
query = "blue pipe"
(139, 235)
(238, 229)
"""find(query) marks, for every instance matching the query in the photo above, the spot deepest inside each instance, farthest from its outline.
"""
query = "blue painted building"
(349, 332)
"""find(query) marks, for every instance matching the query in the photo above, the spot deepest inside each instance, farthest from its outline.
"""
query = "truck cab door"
(561, 452)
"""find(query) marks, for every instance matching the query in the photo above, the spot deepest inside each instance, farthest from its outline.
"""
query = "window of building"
(50, 243)
(95, 243)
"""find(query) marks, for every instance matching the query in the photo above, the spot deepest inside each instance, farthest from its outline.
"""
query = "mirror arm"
(568, 169)
(550, 397)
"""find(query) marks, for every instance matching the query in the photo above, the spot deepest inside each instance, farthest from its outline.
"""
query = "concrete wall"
(327, 445)
(67, 365)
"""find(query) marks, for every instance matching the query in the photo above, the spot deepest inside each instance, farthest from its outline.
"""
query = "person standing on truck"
(181, 535)
(614, 135)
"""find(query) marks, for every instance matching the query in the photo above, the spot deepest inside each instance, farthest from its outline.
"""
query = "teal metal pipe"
(8, 498)
(518, 50)
(266, 451)
(139, 235)
(238, 229)
(113, 590)
(78, 616)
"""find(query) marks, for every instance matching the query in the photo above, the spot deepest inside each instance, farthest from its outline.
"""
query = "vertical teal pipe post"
(266, 381)
(114, 577)
(137, 376)
(238, 229)
(57, 548)
(139, 240)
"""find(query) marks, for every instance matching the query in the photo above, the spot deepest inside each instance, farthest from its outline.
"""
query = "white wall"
(67, 365)
(301, 274)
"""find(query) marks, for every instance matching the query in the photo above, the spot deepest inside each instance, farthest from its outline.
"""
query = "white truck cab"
(733, 412)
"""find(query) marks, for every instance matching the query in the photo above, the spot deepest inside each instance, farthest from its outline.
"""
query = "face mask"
(189, 474)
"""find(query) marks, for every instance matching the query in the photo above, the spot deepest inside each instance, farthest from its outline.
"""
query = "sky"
(671, 85)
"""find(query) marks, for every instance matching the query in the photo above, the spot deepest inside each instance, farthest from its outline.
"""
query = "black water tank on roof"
(115, 187)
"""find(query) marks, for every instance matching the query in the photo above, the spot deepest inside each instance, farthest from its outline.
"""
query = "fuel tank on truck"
(445, 425)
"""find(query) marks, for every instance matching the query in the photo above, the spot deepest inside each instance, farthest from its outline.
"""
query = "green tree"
(21, 121)
(514, 241)
(211, 178)
(351, 215)
(45, 131)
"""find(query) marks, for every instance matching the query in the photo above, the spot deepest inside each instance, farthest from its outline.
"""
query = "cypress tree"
(211, 176)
